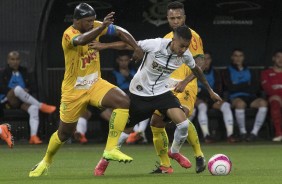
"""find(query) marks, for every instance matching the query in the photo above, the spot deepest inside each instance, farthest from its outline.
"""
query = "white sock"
(203, 118)
(180, 135)
(260, 117)
(33, 111)
(122, 139)
(136, 128)
(0, 131)
(227, 117)
(193, 114)
(25, 97)
(81, 126)
(240, 117)
(143, 125)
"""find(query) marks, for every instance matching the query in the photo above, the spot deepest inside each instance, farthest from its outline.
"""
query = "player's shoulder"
(194, 33)
(268, 70)
(71, 30)
(97, 23)
(169, 35)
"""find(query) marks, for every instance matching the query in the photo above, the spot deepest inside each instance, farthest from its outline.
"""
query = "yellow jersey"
(196, 48)
(82, 65)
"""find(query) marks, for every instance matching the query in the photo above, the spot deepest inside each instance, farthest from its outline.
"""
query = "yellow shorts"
(74, 103)
(187, 99)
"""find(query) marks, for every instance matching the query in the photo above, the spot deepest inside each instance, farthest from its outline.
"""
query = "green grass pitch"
(252, 164)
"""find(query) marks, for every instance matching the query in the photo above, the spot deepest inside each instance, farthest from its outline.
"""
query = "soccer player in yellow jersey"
(186, 93)
(83, 85)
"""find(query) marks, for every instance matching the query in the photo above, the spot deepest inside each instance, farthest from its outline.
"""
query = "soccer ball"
(219, 164)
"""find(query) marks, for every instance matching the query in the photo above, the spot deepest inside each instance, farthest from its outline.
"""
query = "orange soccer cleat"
(6, 134)
(181, 159)
(47, 108)
(34, 140)
(133, 137)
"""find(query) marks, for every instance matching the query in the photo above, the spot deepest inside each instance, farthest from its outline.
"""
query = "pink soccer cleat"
(101, 167)
(182, 160)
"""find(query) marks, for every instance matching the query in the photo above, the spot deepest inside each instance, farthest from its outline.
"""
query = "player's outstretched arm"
(201, 77)
(119, 45)
(125, 36)
(87, 37)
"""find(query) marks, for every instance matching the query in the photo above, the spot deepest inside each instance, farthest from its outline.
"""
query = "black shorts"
(204, 96)
(142, 108)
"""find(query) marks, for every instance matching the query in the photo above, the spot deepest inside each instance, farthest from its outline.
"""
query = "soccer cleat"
(232, 139)
(200, 164)
(47, 108)
(182, 160)
(133, 137)
(80, 137)
(251, 138)
(209, 139)
(101, 167)
(35, 140)
(6, 134)
(162, 170)
(116, 155)
(277, 139)
(39, 169)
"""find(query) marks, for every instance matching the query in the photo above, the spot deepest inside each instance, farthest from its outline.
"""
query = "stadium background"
(35, 28)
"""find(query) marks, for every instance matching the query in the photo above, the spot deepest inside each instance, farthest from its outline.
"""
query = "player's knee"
(18, 90)
(122, 102)
(157, 123)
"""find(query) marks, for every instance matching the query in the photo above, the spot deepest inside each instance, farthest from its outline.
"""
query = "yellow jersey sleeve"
(196, 45)
(68, 37)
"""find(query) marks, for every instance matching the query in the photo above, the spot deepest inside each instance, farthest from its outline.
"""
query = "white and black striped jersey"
(158, 63)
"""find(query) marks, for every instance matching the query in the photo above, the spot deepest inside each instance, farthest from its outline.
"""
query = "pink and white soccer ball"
(219, 164)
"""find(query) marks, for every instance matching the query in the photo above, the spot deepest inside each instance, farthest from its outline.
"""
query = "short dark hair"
(175, 5)
(276, 52)
(238, 49)
(124, 53)
(183, 32)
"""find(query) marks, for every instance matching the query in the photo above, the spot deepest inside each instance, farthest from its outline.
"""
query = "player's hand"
(96, 45)
(109, 19)
(215, 97)
(180, 87)
(138, 54)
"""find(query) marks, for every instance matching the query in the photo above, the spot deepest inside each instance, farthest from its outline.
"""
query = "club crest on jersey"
(139, 87)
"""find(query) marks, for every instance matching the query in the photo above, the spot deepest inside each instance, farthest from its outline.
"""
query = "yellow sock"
(193, 139)
(116, 126)
(53, 146)
(160, 140)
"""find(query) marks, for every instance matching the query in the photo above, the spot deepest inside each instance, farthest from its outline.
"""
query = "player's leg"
(33, 112)
(70, 110)
(160, 139)
(240, 107)
(20, 93)
(109, 96)
(261, 105)
(81, 127)
(5, 134)
(225, 108)
(187, 100)
(276, 116)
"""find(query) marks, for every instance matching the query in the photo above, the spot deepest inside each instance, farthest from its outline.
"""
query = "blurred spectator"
(204, 102)
(121, 76)
(16, 87)
(272, 85)
(243, 89)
